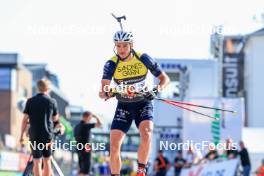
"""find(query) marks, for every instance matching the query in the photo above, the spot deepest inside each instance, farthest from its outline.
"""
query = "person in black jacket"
(244, 157)
(161, 165)
(82, 136)
(179, 163)
(231, 150)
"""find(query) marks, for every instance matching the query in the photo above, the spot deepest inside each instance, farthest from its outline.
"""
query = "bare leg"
(37, 167)
(116, 139)
(47, 170)
(145, 130)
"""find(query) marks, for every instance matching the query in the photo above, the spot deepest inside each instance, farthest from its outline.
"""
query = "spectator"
(245, 161)
(179, 162)
(260, 171)
(161, 165)
(41, 112)
(126, 167)
(82, 136)
(231, 151)
(103, 168)
(192, 157)
(212, 154)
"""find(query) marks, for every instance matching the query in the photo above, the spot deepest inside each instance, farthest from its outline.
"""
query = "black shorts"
(127, 112)
(84, 161)
(40, 149)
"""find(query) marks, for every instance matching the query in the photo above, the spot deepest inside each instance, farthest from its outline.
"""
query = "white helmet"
(123, 36)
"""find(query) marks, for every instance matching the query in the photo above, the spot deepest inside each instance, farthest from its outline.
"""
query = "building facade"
(15, 84)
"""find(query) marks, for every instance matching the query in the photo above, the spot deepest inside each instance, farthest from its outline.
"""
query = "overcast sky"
(75, 36)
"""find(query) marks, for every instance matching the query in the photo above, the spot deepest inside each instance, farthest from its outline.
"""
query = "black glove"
(150, 95)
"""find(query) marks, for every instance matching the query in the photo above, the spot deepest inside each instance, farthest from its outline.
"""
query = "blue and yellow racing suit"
(131, 73)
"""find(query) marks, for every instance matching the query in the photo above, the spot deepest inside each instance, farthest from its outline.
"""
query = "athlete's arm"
(98, 122)
(104, 84)
(156, 71)
(164, 81)
(109, 69)
(25, 121)
(23, 127)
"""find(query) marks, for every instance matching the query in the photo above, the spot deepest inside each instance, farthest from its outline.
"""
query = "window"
(5, 78)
